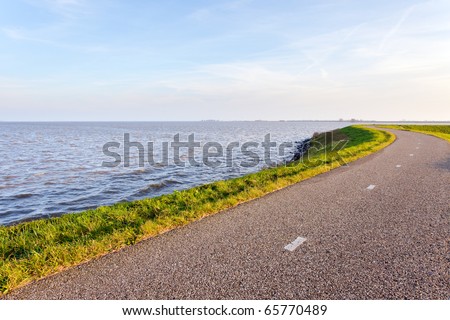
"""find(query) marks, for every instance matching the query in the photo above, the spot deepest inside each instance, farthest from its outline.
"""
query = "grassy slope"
(440, 131)
(35, 249)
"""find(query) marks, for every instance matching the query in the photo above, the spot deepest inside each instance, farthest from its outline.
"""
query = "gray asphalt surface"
(391, 242)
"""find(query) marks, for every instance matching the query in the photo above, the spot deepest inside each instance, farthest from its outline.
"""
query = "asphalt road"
(390, 241)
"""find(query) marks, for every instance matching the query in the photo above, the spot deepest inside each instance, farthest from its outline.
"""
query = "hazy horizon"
(227, 60)
(214, 120)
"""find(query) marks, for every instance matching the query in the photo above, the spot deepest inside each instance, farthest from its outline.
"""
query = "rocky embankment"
(301, 148)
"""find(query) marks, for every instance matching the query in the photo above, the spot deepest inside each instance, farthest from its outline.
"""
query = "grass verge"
(35, 249)
(440, 131)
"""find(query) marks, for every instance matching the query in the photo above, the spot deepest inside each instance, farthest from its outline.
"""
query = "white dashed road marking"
(294, 244)
(398, 166)
(411, 154)
(371, 187)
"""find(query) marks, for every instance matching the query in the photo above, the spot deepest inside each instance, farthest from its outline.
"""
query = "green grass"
(440, 131)
(35, 249)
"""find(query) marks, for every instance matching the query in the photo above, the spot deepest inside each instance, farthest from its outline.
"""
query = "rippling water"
(48, 169)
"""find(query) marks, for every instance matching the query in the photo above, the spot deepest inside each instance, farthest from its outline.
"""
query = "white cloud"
(67, 9)
(60, 4)
(209, 12)
(13, 33)
(200, 14)
(396, 27)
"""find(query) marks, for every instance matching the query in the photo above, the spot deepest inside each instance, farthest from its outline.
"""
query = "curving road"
(377, 229)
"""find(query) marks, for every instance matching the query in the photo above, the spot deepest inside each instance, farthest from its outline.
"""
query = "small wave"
(39, 174)
(11, 217)
(100, 172)
(81, 202)
(156, 186)
(171, 181)
(181, 174)
(112, 191)
(23, 195)
(78, 169)
(128, 172)
(144, 191)
(10, 177)
(52, 160)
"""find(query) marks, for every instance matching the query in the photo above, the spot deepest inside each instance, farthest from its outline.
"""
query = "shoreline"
(301, 147)
(354, 236)
(72, 176)
(36, 249)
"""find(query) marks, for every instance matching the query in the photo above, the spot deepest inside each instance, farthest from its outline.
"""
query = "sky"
(108, 60)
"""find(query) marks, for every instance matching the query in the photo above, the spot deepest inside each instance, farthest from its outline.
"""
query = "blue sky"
(227, 60)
